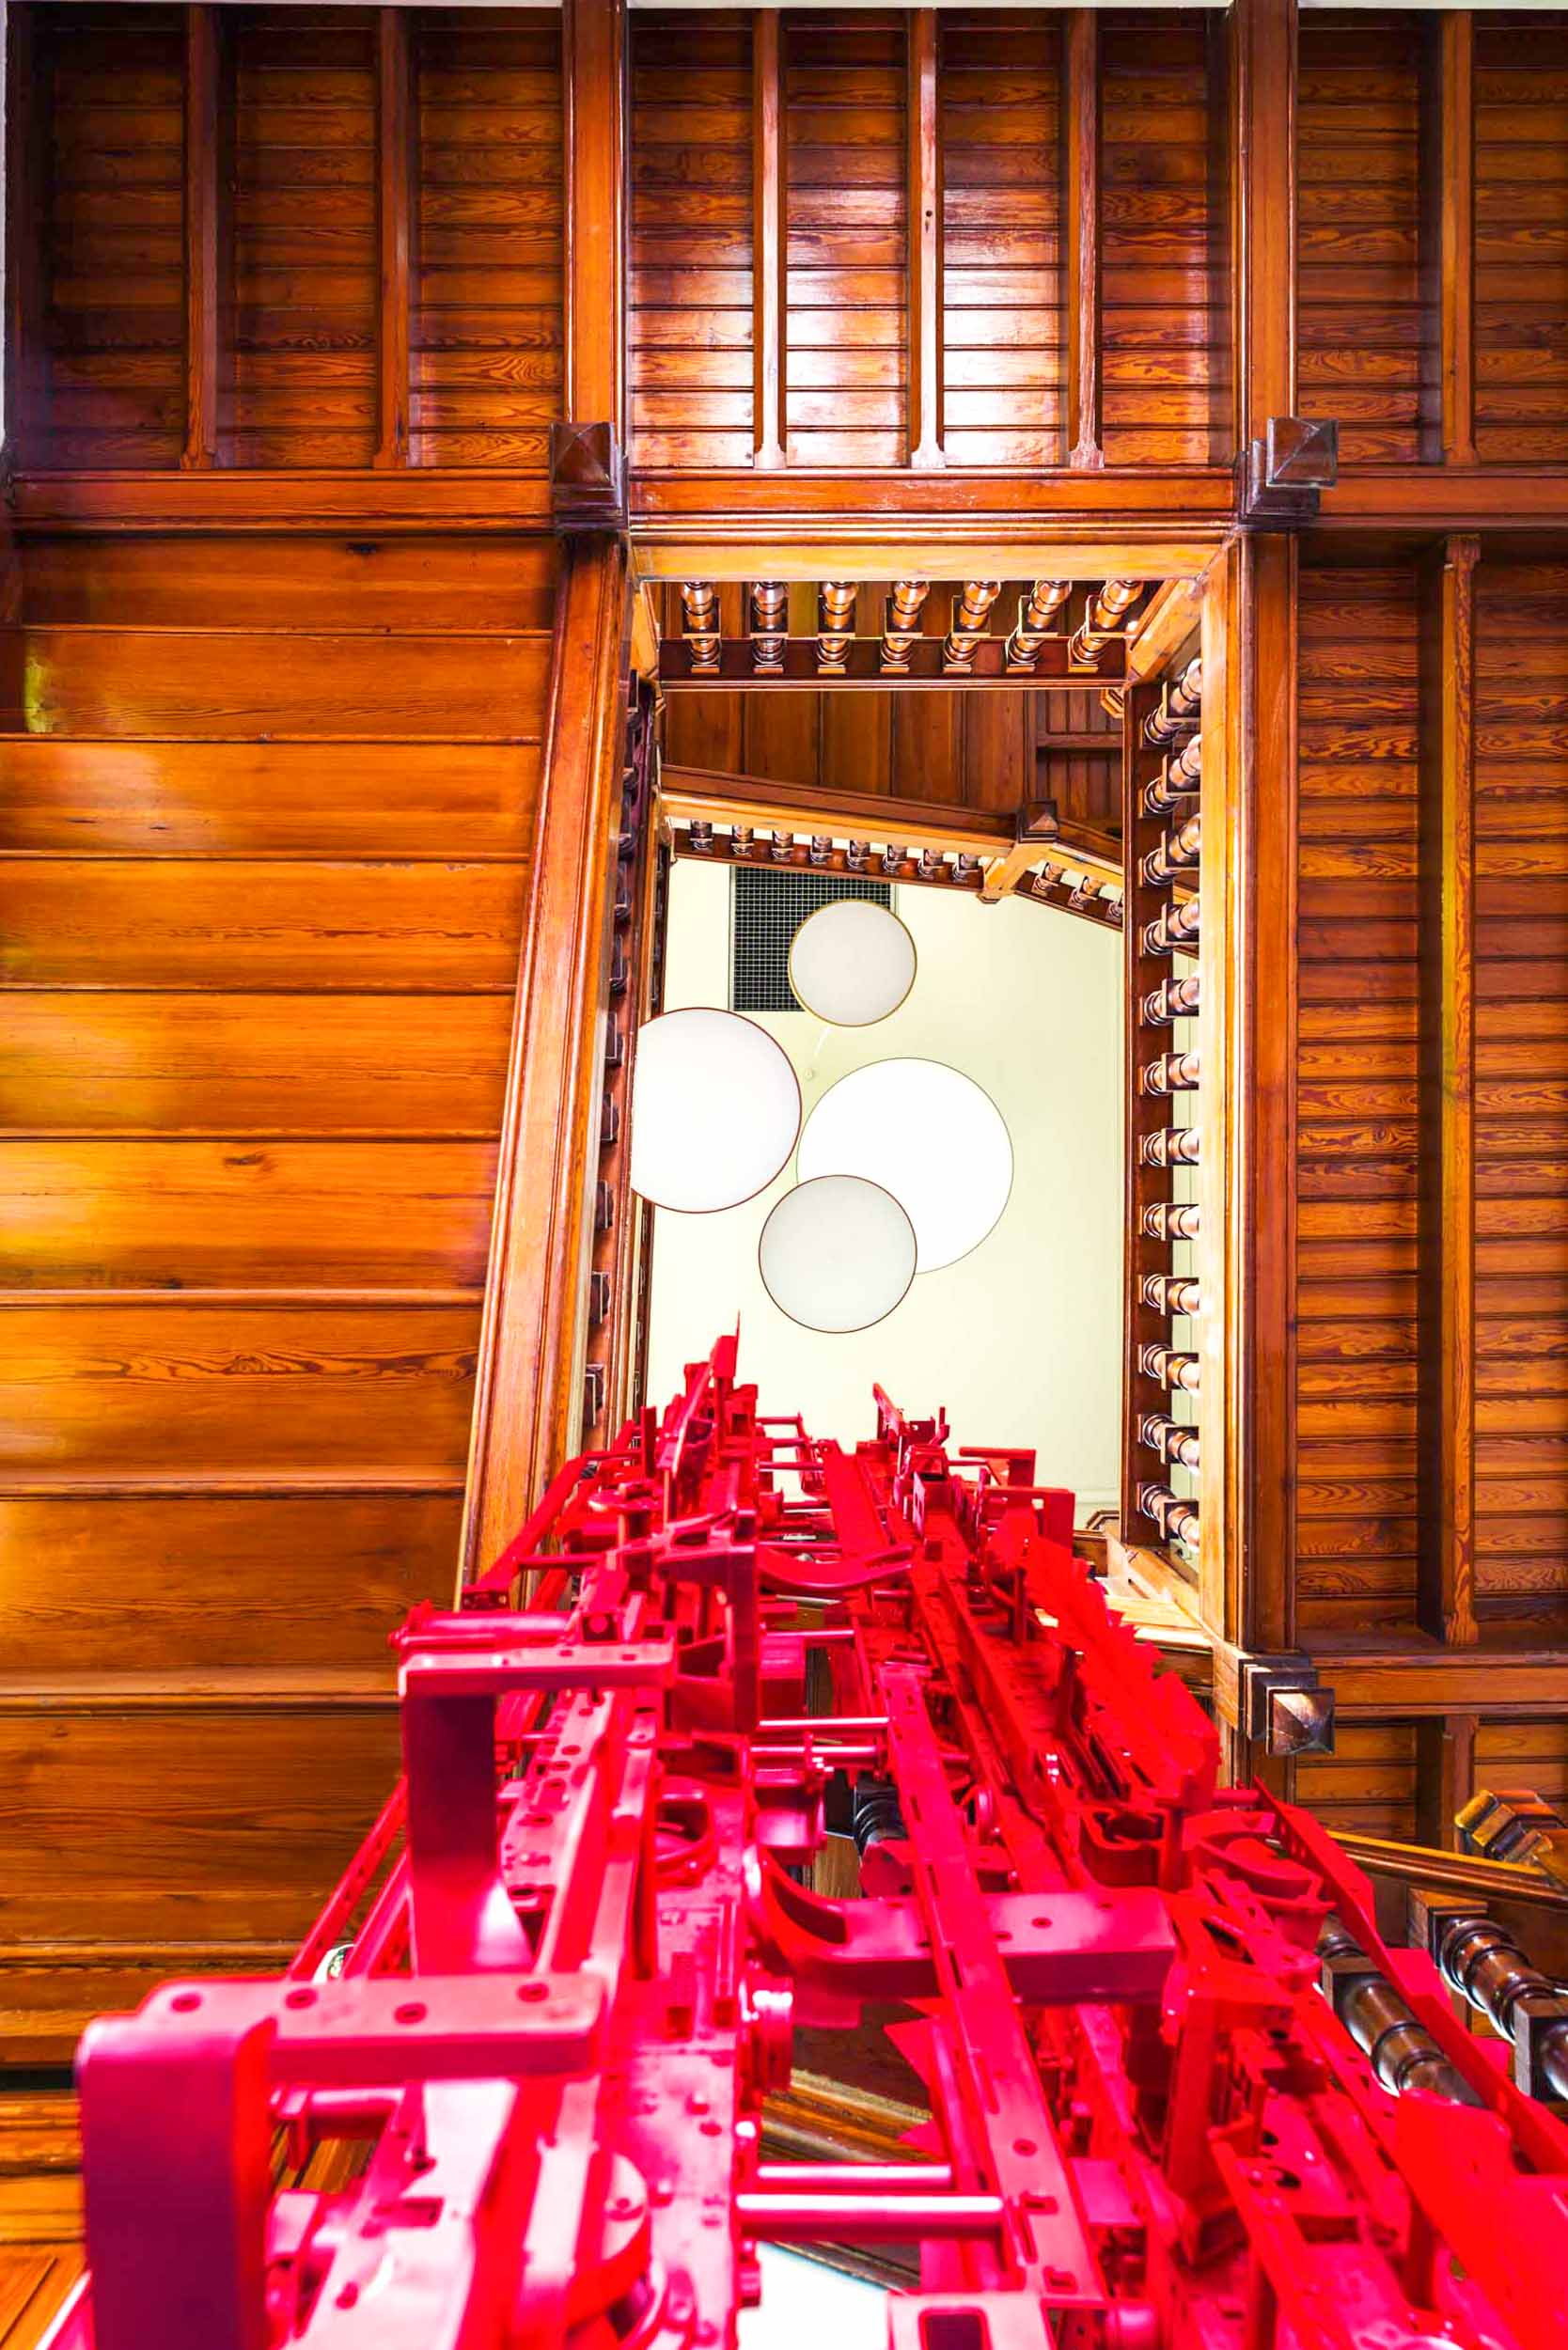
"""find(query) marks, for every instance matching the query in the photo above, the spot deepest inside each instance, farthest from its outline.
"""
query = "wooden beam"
(1449, 203)
(1262, 210)
(1445, 1775)
(1397, 1679)
(593, 79)
(925, 247)
(204, 236)
(1446, 1574)
(1174, 613)
(1081, 241)
(768, 243)
(397, 133)
(527, 1403)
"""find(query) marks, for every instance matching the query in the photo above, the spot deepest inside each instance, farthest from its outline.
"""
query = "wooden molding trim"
(527, 1400)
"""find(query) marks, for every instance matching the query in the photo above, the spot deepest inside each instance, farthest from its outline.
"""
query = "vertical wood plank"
(767, 242)
(28, 225)
(925, 247)
(527, 1405)
(396, 135)
(1446, 1574)
(1081, 247)
(203, 238)
(1456, 197)
(1445, 1776)
(1262, 209)
(593, 80)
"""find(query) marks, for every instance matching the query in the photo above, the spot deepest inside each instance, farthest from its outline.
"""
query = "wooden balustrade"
(1102, 622)
(1036, 611)
(834, 625)
(700, 614)
(902, 624)
(1162, 770)
(770, 626)
(971, 614)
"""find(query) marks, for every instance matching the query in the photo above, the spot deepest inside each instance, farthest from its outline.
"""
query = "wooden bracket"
(1280, 477)
(1281, 1703)
(588, 480)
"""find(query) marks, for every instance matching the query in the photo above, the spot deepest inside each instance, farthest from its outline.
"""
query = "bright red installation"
(578, 1940)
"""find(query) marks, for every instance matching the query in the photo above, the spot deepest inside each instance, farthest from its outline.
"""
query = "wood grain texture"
(1521, 239)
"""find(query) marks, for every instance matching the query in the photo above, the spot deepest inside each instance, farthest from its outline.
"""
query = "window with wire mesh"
(767, 905)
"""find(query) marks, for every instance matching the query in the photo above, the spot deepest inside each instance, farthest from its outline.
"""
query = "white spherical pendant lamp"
(927, 1134)
(851, 963)
(836, 1254)
(716, 1110)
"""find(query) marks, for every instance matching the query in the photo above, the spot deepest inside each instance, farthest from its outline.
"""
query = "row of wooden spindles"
(1171, 795)
(1040, 614)
(1086, 894)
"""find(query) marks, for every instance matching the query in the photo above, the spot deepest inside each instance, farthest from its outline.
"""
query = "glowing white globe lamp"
(716, 1110)
(851, 963)
(927, 1134)
(837, 1253)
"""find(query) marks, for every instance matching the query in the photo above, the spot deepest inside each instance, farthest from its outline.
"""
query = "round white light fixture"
(715, 1109)
(837, 1253)
(927, 1134)
(852, 961)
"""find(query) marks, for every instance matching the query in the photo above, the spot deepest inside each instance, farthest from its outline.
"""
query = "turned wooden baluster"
(836, 625)
(1173, 1072)
(1172, 1220)
(700, 614)
(1176, 1519)
(1173, 999)
(1036, 611)
(1181, 776)
(971, 612)
(1171, 1440)
(1171, 1294)
(1181, 710)
(1174, 930)
(1171, 1367)
(902, 624)
(1172, 1146)
(770, 626)
(1177, 854)
(1100, 624)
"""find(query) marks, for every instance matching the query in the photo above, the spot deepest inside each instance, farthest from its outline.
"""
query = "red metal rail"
(555, 1990)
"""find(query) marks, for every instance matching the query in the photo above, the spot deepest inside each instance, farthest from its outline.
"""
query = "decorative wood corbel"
(1281, 475)
(588, 480)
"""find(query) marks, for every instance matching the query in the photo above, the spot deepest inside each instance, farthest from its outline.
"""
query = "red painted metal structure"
(579, 1937)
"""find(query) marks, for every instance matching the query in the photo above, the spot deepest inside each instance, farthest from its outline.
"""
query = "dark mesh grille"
(767, 905)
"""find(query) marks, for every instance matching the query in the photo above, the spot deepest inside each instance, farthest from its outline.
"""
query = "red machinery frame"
(555, 1989)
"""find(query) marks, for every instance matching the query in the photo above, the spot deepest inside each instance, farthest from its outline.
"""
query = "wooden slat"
(1456, 153)
(529, 1402)
(205, 241)
(1264, 55)
(768, 242)
(593, 80)
(1447, 1580)
(397, 221)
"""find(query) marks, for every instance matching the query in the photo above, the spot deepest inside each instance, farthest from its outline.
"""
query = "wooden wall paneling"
(106, 292)
(1081, 277)
(1367, 311)
(397, 223)
(528, 1398)
(1263, 84)
(27, 230)
(594, 86)
(306, 262)
(1357, 1071)
(1521, 238)
(704, 322)
(1521, 1101)
(1161, 298)
(1368, 1784)
(1445, 1775)
(1449, 198)
(1005, 315)
(768, 237)
(488, 268)
(1447, 1311)
(924, 211)
(847, 239)
(209, 252)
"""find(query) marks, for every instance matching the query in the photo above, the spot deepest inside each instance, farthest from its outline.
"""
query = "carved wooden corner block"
(1280, 477)
(1282, 1702)
(1038, 820)
(587, 480)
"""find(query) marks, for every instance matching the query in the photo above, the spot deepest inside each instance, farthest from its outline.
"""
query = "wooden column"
(593, 35)
(1446, 1582)
(396, 132)
(1080, 273)
(1246, 1255)
(1445, 1775)
(206, 239)
(1449, 204)
(1262, 209)
(527, 1403)
(925, 247)
(769, 233)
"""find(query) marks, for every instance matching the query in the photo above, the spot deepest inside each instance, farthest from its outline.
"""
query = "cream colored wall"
(1021, 1340)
